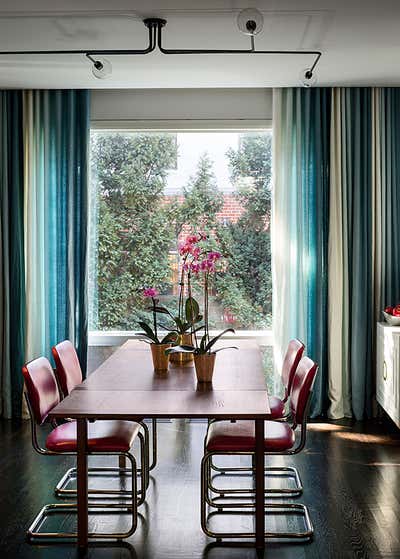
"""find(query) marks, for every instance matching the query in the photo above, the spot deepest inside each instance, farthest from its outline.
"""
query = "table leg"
(260, 484)
(82, 482)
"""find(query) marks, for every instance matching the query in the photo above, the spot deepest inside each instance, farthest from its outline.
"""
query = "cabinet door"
(385, 358)
(396, 378)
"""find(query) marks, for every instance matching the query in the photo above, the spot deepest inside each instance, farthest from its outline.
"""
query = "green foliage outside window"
(136, 226)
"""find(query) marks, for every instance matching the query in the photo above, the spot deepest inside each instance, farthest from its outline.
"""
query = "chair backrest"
(302, 386)
(41, 387)
(293, 355)
(68, 369)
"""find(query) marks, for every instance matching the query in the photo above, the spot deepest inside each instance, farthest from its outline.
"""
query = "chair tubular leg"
(270, 509)
(61, 490)
(287, 472)
(34, 534)
(154, 445)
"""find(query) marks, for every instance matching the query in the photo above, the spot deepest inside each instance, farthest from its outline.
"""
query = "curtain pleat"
(300, 226)
(12, 277)
(388, 195)
(56, 219)
(365, 193)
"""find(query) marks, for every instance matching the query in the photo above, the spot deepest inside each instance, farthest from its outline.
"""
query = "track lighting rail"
(155, 36)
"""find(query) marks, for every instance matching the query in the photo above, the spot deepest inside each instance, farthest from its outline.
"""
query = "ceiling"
(360, 42)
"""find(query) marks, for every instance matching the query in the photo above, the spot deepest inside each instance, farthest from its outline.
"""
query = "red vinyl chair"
(237, 439)
(292, 358)
(277, 406)
(69, 375)
(113, 438)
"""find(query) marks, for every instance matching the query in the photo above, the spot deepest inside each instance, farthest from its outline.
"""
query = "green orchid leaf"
(160, 310)
(170, 337)
(203, 342)
(179, 323)
(192, 309)
(221, 348)
(148, 332)
(166, 327)
(214, 340)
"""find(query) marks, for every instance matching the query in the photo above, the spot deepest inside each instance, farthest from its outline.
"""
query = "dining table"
(126, 387)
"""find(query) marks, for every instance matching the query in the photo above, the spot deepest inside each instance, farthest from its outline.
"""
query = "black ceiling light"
(249, 21)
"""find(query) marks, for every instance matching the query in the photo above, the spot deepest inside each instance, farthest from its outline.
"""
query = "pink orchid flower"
(215, 255)
(184, 249)
(192, 239)
(150, 292)
(195, 267)
(196, 251)
(207, 265)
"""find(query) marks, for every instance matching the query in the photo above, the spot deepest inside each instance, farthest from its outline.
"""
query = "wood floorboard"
(351, 475)
(350, 472)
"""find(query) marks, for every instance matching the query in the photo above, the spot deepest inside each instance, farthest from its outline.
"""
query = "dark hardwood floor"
(350, 472)
(351, 476)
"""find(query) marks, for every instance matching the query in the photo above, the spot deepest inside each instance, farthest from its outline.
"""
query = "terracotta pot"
(160, 359)
(182, 358)
(204, 365)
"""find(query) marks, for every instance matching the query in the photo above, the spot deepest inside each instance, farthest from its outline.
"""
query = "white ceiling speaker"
(250, 21)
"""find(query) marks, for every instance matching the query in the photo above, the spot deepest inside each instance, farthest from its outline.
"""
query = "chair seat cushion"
(225, 436)
(103, 436)
(277, 407)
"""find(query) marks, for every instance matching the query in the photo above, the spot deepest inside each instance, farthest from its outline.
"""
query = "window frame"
(102, 338)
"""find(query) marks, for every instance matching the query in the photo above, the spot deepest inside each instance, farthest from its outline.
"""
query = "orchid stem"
(154, 318)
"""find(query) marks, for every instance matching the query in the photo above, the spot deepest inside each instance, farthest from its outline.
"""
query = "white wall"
(164, 108)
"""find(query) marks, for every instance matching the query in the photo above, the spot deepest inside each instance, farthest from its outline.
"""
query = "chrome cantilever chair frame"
(290, 472)
(60, 490)
(282, 471)
(271, 508)
(63, 389)
(226, 492)
(100, 508)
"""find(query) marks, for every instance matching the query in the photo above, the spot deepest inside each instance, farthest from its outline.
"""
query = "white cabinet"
(388, 369)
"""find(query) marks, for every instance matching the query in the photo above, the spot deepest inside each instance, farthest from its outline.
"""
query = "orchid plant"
(151, 335)
(188, 310)
(202, 263)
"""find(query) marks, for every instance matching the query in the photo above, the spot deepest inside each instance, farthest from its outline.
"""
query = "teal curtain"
(357, 213)
(56, 147)
(300, 226)
(388, 193)
(12, 301)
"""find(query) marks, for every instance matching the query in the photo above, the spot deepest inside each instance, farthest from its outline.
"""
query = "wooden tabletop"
(126, 387)
(134, 404)
(131, 368)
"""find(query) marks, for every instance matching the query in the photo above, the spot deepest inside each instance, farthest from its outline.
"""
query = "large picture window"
(149, 190)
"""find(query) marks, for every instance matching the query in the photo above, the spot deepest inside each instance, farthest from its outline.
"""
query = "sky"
(191, 145)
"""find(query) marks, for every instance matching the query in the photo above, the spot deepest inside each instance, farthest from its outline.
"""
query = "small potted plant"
(203, 264)
(151, 335)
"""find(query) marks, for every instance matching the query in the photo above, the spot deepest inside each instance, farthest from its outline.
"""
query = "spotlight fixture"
(101, 67)
(250, 22)
(308, 77)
